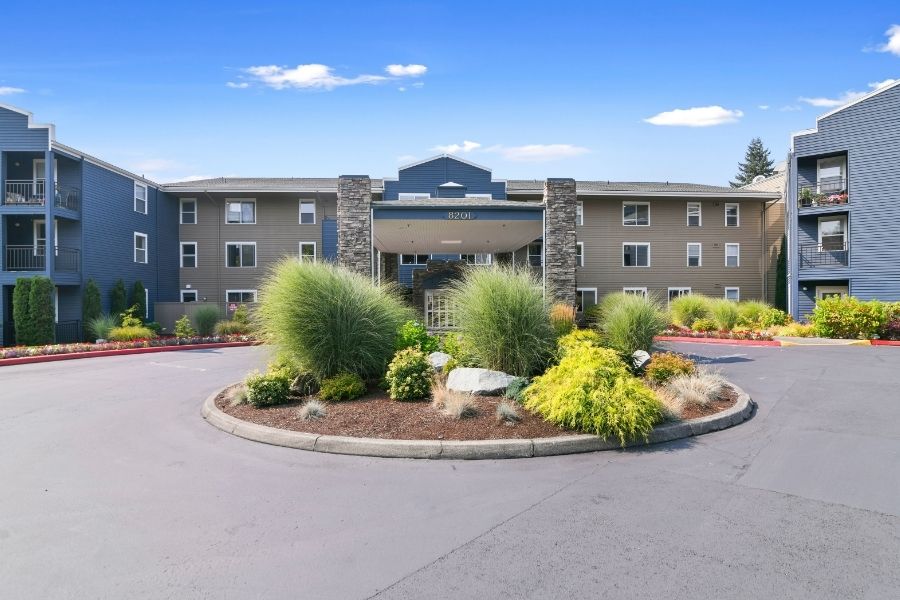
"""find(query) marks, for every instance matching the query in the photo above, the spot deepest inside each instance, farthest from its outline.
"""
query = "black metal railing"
(67, 197)
(28, 192)
(34, 258)
(824, 255)
(68, 332)
(829, 192)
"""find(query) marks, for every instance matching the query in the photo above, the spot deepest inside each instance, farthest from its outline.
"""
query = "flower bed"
(56, 349)
(675, 331)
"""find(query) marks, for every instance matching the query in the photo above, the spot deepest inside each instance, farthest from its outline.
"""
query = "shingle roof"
(526, 185)
(461, 202)
(773, 183)
(264, 183)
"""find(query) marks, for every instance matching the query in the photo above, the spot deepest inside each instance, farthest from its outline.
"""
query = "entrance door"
(832, 291)
(439, 313)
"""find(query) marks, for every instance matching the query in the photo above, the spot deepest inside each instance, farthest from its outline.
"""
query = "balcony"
(824, 255)
(831, 192)
(34, 258)
(28, 192)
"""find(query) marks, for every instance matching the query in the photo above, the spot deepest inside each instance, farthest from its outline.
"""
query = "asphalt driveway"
(112, 486)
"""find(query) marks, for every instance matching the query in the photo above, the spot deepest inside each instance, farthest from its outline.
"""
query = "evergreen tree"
(781, 277)
(91, 304)
(21, 316)
(118, 300)
(41, 311)
(138, 298)
(756, 162)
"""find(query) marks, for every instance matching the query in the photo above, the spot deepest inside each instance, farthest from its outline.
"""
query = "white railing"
(24, 191)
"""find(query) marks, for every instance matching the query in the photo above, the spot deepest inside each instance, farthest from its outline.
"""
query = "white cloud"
(790, 108)
(538, 152)
(880, 84)
(401, 89)
(848, 96)
(418, 84)
(238, 86)
(312, 76)
(892, 45)
(6, 90)
(406, 70)
(700, 116)
(466, 146)
(763, 107)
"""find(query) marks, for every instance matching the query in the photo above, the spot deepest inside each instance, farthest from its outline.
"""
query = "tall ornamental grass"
(629, 323)
(725, 313)
(689, 308)
(504, 319)
(330, 320)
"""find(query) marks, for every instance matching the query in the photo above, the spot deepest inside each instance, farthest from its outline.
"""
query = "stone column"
(559, 239)
(354, 233)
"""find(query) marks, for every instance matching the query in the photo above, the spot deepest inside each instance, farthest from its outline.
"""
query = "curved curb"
(27, 360)
(467, 450)
(702, 340)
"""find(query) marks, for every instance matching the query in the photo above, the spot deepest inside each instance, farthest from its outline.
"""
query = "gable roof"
(633, 188)
(261, 184)
(440, 156)
(874, 92)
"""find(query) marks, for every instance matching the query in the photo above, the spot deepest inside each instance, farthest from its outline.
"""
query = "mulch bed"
(726, 400)
(375, 415)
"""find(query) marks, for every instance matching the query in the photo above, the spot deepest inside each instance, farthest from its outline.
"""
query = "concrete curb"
(27, 360)
(710, 340)
(468, 450)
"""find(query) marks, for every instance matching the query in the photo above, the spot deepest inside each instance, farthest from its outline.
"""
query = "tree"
(21, 318)
(138, 298)
(91, 304)
(756, 162)
(41, 311)
(781, 277)
(118, 301)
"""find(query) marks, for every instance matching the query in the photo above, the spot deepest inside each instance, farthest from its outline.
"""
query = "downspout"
(218, 246)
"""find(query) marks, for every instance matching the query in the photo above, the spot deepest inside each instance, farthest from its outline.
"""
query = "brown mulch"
(726, 400)
(376, 415)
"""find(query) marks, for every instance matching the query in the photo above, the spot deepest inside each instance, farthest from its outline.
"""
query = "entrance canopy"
(463, 226)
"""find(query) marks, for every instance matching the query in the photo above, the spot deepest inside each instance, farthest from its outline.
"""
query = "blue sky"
(537, 89)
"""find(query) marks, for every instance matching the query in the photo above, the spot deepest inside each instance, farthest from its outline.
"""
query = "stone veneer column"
(559, 239)
(354, 233)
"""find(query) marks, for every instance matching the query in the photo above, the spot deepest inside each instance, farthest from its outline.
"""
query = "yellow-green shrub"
(592, 390)
(704, 324)
(577, 338)
(344, 386)
(130, 333)
(849, 318)
(725, 313)
(270, 388)
(409, 375)
(687, 309)
(666, 365)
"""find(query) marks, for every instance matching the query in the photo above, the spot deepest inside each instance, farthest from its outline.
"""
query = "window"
(579, 213)
(240, 296)
(240, 254)
(140, 247)
(477, 259)
(832, 233)
(188, 211)
(188, 295)
(536, 254)
(694, 255)
(635, 291)
(831, 291)
(307, 252)
(678, 292)
(585, 298)
(413, 196)
(635, 255)
(635, 213)
(188, 255)
(733, 293)
(413, 259)
(732, 255)
(579, 254)
(831, 173)
(241, 212)
(732, 215)
(307, 212)
(140, 198)
(694, 214)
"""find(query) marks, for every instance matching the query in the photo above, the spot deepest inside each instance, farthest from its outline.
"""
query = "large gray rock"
(438, 360)
(483, 382)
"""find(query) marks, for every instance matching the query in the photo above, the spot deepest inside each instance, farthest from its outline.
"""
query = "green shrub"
(41, 312)
(592, 390)
(409, 375)
(457, 347)
(183, 327)
(849, 318)
(795, 330)
(130, 333)
(666, 365)
(138, 298)
(725, 313)
(412, 334)
(503, 316)
(242, 315)
(562, 318)
(630, 322)
(577, 338)
(130, 317)
(268, 389)
(751, 312)
(516, 389)
(687, 309)
(343, 386)
(704, 325)
(302, 382)
(21, 314)
(329, 319)
(206, 318)
(118, 299)
(91, 305)
(773, 317)
(99, 327)
(154, 327)
(232, 327)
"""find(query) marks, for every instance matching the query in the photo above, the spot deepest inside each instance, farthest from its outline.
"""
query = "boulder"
(640, 358)
(483, 382)
(438, 360)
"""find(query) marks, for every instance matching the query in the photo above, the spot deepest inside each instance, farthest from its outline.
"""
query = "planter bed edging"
(467, 450)
(25, 360)
(703, 340)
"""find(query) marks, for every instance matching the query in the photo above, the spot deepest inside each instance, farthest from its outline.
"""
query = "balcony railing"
(830, 192)
(65, 332)
(824, 255)
(27, 192)
(34, 258)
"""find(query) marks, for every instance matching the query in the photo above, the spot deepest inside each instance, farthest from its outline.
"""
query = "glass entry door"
(439, 313)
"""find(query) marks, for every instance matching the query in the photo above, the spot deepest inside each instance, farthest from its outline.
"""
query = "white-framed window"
(694, 214)
(413, 259)
(585, 298)
(579, 213)
(732, 215)
(140, 198)
(240, 296)
(413, 196)
(579, 254)
(732, 255)
(240, 254)
(832, 291)
(307, 252)
(694, 254)
(733, 293)
(307, 212)
(636, 213)
(536, 253)
(677, 292)
(140, 247)
(635, 291)
(189, 296)
(831, 174)
(188, 255)
(188, 211)
(832, 233)
(635, 254)
(482, 258)
(240, 212)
